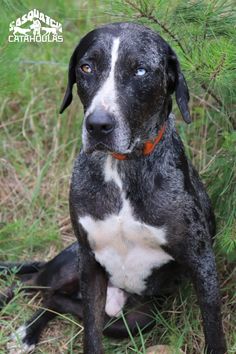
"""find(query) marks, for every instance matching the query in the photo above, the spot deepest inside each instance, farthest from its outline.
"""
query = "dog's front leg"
(93, 287)
(202, 266)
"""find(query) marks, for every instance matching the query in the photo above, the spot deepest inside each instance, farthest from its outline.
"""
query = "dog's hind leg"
(59, 274)
(27, 336)
(138, 314)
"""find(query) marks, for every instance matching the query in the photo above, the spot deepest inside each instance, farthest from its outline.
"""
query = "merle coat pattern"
(130, 75)
(139, 219)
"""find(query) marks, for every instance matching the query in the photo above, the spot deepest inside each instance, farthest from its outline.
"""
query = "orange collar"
(147, 148)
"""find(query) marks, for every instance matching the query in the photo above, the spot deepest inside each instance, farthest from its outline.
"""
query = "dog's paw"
(20, 342)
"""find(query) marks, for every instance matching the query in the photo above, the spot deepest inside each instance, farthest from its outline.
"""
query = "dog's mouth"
(98, 147)
(103, 147)
(135, 148)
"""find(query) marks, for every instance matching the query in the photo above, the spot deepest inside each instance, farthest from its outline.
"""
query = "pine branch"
(212, 94)
(218, 68)
(147, 13)
(150, 17)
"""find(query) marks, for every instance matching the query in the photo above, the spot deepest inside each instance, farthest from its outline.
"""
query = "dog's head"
(125, 75)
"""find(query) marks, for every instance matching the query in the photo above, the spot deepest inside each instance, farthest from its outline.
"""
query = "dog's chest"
(127, 247)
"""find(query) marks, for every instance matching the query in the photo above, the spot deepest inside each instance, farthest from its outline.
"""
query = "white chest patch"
(128, 248)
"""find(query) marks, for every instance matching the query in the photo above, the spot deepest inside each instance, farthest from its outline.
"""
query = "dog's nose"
(100, 124)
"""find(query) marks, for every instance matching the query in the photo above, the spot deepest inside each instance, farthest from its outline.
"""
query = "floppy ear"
(177, 83)
(71, 80)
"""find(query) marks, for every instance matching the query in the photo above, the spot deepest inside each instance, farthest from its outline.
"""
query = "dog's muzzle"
(100, 125)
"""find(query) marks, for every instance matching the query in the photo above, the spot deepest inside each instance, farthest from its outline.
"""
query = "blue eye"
(140, 72)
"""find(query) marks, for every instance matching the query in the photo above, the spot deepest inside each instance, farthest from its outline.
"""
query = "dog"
(53, 30)
(138, 208)
(20, 30)
(59, 284)
(137, 205)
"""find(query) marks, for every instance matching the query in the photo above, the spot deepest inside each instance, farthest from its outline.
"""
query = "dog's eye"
(86, 68)
(140, 72)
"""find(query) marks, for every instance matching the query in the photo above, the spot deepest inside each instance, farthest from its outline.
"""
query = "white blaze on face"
(106, 95)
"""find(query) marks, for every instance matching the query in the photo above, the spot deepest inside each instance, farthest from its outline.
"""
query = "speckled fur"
(163, 188)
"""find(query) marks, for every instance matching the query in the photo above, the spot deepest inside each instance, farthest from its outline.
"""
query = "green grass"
(38, 147)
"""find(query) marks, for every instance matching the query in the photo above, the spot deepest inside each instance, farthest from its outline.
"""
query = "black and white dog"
(138, 208)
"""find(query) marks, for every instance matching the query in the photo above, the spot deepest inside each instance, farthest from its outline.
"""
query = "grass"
(38, 147)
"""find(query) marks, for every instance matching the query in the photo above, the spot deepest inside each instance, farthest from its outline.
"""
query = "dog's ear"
(177, 83)
(71, 81)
